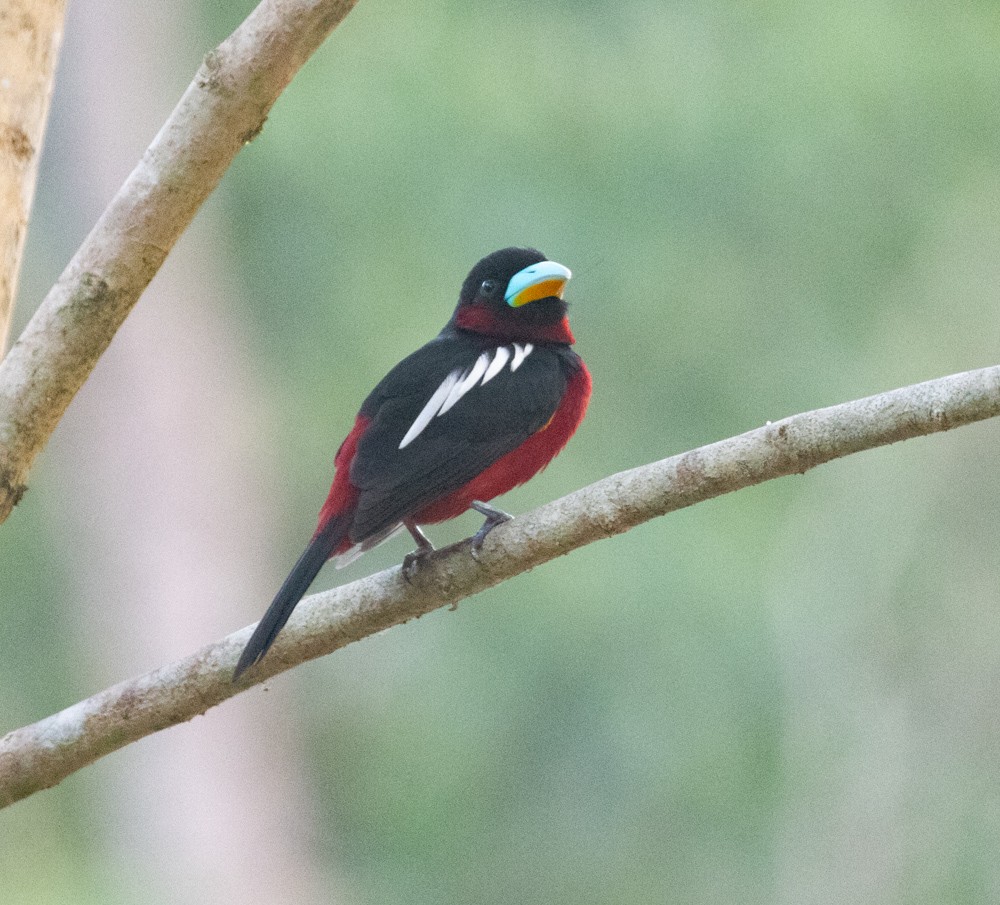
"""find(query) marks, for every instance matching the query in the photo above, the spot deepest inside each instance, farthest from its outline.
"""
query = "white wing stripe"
(431, 409)
(501, 358)
(459, 382)
(468, 381)
(520, 353)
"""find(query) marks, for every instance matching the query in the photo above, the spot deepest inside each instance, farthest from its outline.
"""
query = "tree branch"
(30, 35)
(223, 108)
(42, 754)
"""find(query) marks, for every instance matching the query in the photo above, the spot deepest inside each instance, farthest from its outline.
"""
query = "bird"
(478, 410)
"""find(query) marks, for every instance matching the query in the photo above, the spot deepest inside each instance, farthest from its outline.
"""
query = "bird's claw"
(411, 564)
(494, 517)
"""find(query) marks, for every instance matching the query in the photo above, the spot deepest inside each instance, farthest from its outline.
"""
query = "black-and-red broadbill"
(480, 409)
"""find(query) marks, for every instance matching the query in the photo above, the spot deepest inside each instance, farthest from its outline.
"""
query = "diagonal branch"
(223, 108)
(40, 755)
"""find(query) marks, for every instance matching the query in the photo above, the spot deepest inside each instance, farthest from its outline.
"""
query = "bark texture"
(30, 35)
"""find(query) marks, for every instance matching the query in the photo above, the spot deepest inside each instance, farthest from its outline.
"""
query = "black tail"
(291, 592)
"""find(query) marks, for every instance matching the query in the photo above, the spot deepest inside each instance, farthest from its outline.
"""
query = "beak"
(543, 280)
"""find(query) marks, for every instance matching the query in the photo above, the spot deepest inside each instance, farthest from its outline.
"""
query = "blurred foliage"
(787, 695)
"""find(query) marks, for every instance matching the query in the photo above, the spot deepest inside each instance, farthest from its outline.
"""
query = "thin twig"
(40, 755)
(222, 110)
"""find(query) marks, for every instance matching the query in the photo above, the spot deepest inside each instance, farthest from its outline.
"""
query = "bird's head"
(515, 294)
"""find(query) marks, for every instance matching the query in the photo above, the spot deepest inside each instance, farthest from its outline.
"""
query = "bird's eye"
(488, 287)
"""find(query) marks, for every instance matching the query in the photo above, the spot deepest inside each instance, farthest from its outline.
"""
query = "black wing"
(449, 448)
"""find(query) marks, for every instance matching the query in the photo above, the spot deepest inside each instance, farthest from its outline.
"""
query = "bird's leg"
(494, 517)
(424, 548)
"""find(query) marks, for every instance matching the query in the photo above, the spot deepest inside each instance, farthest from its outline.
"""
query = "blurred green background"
(787, 695)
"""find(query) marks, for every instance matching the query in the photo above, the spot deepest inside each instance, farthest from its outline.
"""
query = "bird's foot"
(411, 562)
(494, 517)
